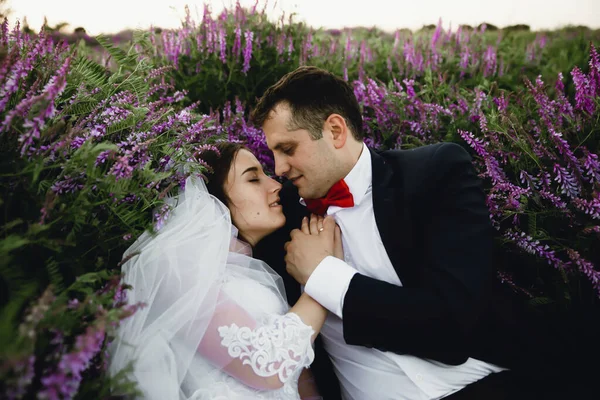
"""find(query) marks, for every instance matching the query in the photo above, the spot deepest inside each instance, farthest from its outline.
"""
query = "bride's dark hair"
(220, 164)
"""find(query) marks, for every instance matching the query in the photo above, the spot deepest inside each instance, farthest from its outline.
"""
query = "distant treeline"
(58, 31)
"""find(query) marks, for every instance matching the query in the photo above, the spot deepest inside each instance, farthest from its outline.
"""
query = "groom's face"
(310, 164)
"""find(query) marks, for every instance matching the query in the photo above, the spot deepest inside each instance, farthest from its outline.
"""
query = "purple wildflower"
(584, 91)
(590, 207)
(25, 371)
(594, 63)
(592, 166)
(595, 229)
(248, 36)
(554, 199)
(504, 277)
(410, 90)
(68, 184)
(534, 247)
(560, 86)
(102, 157)
(65, 380)
(587, 268)
(465, 58)
(77, 142)
(73, 304)
(222, 44)
(161, 216)
(501, 102)
(490, 61)
(122, 168)
(494, 171)
(568, 183)
(237, 43)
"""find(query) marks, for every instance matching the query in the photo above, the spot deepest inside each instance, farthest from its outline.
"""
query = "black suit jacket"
(433, 220)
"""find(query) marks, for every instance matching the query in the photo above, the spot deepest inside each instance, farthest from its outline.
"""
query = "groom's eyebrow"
(251, 169)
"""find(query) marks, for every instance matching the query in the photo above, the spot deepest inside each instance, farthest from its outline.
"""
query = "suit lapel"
(391, 214)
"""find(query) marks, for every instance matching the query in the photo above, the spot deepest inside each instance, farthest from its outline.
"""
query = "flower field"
(94, 134)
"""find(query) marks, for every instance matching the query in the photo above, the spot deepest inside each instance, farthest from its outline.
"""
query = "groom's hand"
(309, 246)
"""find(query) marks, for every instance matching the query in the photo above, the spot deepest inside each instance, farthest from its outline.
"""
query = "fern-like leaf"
(127, 123)
(56, 278)
(89, 72)
(532, 224)
(119, 55)
(20, 296)
(540, 301)
(81, 108)
(138, 86)
(142, 39)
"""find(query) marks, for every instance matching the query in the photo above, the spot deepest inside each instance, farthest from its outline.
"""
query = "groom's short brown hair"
(312, 94)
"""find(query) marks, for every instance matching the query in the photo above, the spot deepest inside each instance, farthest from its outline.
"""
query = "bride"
(216, 323)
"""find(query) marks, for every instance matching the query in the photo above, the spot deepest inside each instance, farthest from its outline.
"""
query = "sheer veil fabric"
(215, 322)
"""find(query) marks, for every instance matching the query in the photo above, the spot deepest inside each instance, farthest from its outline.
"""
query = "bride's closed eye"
(254, 178)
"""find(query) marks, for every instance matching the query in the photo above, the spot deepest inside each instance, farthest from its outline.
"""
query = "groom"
(414, 311)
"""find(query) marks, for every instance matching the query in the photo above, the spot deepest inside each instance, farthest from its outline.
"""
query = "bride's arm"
(310, 312)
(262, 355)
(307, 387)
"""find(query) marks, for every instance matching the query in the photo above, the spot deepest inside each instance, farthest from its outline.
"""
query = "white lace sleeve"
(263, 352)
(280, 347)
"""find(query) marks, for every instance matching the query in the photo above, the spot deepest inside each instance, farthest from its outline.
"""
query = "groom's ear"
(338, 128)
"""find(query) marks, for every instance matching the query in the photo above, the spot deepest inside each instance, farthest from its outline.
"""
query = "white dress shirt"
(367, 373)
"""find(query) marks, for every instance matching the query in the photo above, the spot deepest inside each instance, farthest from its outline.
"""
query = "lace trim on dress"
(280, 347)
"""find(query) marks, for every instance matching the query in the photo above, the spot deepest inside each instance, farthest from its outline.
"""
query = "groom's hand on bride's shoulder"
(309, 245)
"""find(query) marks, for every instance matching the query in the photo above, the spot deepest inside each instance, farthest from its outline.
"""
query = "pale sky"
(111, 16)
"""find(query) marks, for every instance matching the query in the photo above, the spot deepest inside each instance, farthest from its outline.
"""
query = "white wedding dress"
(216, 323)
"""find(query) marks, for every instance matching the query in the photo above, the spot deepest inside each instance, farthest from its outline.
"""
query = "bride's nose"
(275, 186)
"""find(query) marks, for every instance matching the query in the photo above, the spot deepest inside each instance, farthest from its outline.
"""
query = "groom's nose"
(281, 167)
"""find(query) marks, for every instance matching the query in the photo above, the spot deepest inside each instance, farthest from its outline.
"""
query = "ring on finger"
(321, 229)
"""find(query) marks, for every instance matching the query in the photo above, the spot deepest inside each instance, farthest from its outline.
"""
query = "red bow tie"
(339, 195)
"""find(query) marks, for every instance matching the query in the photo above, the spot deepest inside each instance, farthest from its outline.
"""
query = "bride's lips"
(275, 204)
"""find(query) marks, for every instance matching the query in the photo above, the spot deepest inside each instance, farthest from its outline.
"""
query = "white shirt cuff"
(329, 283)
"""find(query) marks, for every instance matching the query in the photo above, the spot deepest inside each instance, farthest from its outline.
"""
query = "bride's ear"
(339, 130)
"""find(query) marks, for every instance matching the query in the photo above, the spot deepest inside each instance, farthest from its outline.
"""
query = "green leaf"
(88, 72)
(126, 124)
(9, 313)
(532, 219)
(80, 108)
(12, 242)
(56, 278)
(540, 301)
(9, 225)
(92, 277)
(35, 229)
(119, 55)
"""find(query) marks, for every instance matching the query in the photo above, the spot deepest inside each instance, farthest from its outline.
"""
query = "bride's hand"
(315, 225)
(312, 224)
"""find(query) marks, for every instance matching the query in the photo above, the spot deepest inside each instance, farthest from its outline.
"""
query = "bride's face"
(254, 198)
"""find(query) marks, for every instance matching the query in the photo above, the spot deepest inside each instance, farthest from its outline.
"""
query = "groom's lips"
(295, 179)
